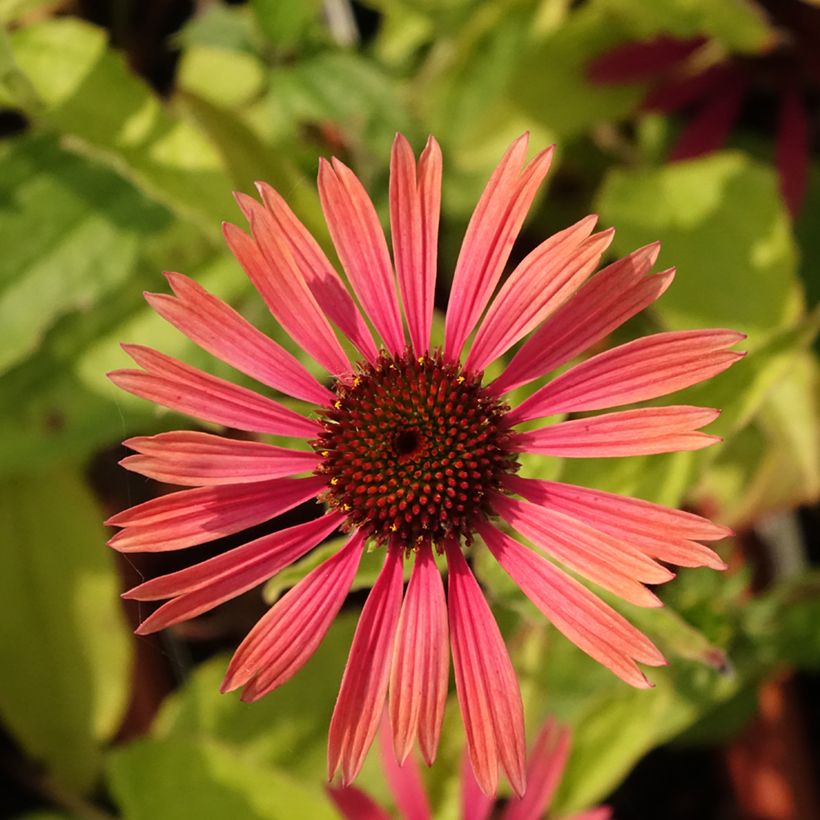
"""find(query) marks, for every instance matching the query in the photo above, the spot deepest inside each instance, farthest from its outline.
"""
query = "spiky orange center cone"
(412, 449)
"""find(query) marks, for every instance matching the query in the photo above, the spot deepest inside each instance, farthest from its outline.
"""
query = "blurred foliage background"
(126, 125)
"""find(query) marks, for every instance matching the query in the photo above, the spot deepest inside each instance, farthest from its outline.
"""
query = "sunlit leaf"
(86, 246)
(740, 25)
(72, 70)
(722, 223)
(271, 731)
(179, 778)
(64, 691)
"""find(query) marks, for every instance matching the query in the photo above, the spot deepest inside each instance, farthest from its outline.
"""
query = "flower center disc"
(411, 449)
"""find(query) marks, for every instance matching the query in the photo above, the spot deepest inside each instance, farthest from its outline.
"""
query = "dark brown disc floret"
(412, 449)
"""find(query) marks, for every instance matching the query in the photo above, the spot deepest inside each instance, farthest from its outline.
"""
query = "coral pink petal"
(646, 431)
(354, 804)
(284, 639)
(490, 235)
(362, 248)
(606, 301)
(421, 661)
(638, 61)
(324, 282)
(547, 760)
(486, 684)
(364, 684)
(415, 203)
(610, 562)
(270, 265)
(666, 534)
(191, 458)
(643, 369)
(193, 517)
(187, 390)
(579, 615)
(537, 287)
(404, 779)
(711, 126)
(206, 585)
(792, 151)
(475, 805)
(221, 331)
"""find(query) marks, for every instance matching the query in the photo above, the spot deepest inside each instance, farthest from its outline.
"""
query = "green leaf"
(285, 22)
(550, 84)
(249, 158)
(318, 90)
(722, 223)
(664, 479)
(225, 77)
(775, 464)
(294, 717)
(12, 10)
(219, 26)
(73, 71)
(179, 778)
(739, 25)
(62, 627)
(791, 417)
(618, 727)
(59, 405)
(89, 225)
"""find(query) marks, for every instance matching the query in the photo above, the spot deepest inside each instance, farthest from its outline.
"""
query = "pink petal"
(578, 614)
(421, 662)
(324, 282)
(270, 265)
(210, 583)
(475, 805)
(637, 61)
(284, 639)
(188, 457)
(710, 128)
(646, 431)
(611, 297)
(793, 151)
(404, 779)
(642, 369)
(537, 287)
(663, 533)
(193, 517)
(490, 235)
(610, 562)
(547, 761)
(187, 390)
(354, 804)
(364, 684)
(415, 203)
(362, 248)
(486, 684)
(221, 331)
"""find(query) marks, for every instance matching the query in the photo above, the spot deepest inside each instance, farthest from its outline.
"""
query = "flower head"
(412, 450)
(545, 767)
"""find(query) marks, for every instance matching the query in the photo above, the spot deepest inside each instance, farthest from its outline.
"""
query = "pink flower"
(409, 449)
(545, 767)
